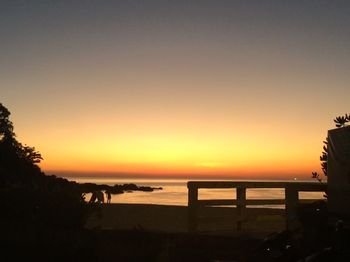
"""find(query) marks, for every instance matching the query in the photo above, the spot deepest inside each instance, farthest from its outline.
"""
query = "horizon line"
(242, 175)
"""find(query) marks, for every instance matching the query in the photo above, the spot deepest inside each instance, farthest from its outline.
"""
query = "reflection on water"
(175, 192)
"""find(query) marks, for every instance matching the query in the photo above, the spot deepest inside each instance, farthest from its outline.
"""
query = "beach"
(144, 232)
(258, 222)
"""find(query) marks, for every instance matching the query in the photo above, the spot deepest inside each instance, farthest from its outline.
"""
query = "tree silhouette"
(31, 196)
(6, 126)
(49, 210)
(9, 144)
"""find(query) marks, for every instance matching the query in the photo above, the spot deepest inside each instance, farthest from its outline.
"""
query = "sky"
(215, 89)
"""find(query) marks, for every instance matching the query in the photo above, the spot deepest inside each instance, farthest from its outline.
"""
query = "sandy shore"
(173, 219)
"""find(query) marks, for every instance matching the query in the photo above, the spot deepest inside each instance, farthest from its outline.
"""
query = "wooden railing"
(290, 201)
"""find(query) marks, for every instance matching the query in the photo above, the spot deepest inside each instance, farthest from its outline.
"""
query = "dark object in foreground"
(315, 240)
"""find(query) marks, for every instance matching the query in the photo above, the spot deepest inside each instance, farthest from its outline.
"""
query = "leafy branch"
(341, 121)
(10, 146)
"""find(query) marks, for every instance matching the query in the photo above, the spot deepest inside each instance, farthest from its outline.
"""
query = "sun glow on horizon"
(179, 154)
(176, 87)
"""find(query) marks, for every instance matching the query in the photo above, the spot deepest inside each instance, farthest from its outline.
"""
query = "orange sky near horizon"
(183, 88)
(256, 151)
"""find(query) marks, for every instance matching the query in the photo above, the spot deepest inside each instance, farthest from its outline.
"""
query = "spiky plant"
(340, 121)
(324, 157)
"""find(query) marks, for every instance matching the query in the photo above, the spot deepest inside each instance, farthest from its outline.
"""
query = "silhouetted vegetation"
(43, 216)
(340, 121)
(40, 215)
(324, 162)
(27, 186)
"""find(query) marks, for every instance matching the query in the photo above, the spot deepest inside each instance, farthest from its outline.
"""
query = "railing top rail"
(312, 186)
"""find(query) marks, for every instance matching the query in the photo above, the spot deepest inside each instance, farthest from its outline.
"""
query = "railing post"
(292, 198)
(241, 197)
(192, 207)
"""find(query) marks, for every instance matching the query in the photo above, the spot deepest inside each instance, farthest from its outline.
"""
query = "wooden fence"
(290, 201)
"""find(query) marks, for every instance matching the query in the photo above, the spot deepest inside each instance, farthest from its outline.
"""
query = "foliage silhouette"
(43, 215)
(340, 121)
(36, 210)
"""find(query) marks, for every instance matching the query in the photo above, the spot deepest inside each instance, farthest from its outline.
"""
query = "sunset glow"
(176, 89)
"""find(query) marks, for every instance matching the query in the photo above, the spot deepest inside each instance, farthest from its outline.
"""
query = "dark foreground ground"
(151, 246)
(159, 233)
(139, 245)
(258, 222)
(137, 232)
(134, 232)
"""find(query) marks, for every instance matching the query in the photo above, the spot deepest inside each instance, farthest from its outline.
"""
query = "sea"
(175, 192)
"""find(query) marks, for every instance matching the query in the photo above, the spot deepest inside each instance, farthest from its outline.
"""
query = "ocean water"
(175, 192)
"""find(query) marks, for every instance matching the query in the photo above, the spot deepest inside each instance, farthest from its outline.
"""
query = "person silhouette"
(93, 197)
(108, 196)
(97, 196)
(100, 197)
